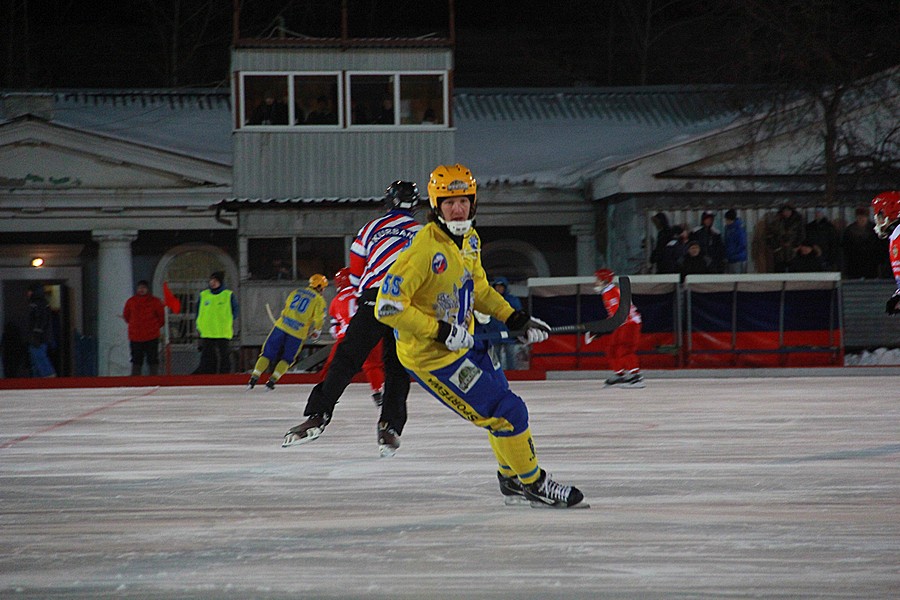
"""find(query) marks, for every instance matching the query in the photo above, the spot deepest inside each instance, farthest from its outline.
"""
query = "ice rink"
(715, 488)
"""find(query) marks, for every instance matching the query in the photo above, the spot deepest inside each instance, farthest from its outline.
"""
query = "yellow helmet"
(318, 282)
(447, 181)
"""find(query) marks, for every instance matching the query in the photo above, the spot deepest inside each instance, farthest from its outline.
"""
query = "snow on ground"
(879, 356)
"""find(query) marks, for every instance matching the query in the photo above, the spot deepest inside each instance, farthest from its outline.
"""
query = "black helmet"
(402, 194)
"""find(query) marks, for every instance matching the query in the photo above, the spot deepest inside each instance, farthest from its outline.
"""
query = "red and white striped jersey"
(377, 245)
(611, 296)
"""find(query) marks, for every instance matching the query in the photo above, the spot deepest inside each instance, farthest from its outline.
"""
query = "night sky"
(64, 43)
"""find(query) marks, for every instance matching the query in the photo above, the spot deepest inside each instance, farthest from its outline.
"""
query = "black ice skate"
(546, 493)
(270, 385)
(511, 488)
(252, 383)
(388, 440)
(307, 431)
(634, 380)
(616, 379)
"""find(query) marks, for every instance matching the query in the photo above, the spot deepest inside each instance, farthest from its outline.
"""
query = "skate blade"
(387, 451)
(581, 504)
(516, 501)
(293, 439)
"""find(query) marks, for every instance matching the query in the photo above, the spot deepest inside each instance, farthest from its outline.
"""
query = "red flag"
(171, 300)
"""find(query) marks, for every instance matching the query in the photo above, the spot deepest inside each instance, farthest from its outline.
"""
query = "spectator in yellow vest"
(216, 312)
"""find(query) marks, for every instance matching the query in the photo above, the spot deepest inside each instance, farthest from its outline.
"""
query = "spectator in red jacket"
(145, 316)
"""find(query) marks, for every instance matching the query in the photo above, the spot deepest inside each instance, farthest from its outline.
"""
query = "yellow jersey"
(434, 280)
(304, 311)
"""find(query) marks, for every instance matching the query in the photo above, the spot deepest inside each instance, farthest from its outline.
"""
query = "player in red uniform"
(623, 342)
(886, 207)
(342, 308)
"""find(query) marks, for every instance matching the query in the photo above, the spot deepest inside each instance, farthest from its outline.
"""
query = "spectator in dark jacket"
(862, 249)
(39, 332)
(783, 234)
(673, 252)
(694, 262)
(807, 259)
(711, 244)
(735, 243)
(664, 234)
(824, 235)
(145, 316)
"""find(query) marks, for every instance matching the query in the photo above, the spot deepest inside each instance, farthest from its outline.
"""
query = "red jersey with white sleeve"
(894, 253)
(611, 297)
(342, 309)
(377, 246)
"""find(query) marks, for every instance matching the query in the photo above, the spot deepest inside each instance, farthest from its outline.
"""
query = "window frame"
(290, 77)
(397, 125)
(344, 101)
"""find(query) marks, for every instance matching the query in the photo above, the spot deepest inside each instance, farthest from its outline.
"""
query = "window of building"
(316, 99)
(300, 100)
(319, 255)
(266, 100)
(422, 99)
(294, 258)
(270, 258)
(372, 100)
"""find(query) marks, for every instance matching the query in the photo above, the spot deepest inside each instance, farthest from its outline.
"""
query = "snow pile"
(879, 356)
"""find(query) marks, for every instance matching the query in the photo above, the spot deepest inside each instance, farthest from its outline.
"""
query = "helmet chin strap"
(457, 227)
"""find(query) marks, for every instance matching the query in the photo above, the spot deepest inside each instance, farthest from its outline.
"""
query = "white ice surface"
(700, 488)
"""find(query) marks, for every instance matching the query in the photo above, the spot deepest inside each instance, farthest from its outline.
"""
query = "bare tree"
(821, 72)
(183, 30)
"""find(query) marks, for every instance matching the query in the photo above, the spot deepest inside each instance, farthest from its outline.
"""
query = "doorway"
(15, 327)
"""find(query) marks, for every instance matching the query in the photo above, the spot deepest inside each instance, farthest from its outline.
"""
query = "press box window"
(266, 100)
(316, 100)
(422, 100)
(372, 100)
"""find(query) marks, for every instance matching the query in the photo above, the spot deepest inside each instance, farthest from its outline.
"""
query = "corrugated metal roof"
(233, 203)
(668, 105)
(188, 99)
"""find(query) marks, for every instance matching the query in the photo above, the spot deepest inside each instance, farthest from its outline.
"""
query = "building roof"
(551, 138)
(195, 123)
(542, 137)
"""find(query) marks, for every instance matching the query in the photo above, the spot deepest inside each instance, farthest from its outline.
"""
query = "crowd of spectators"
(791, 245)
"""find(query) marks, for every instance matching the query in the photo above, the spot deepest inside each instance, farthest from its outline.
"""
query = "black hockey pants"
(362, 335)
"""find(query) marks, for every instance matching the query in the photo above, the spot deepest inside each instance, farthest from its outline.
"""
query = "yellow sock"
(516, 453)
(280, 370)
(262, 364)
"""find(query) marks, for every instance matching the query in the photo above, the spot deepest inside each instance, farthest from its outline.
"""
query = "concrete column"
(586, 248)
(115, 285)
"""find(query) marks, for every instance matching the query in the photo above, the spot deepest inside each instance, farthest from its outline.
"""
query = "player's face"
(455, 208)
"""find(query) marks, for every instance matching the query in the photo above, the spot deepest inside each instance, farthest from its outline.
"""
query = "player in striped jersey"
(374, 250)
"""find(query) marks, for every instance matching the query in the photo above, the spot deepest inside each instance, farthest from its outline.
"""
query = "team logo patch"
(473, 243)
(895, 251)
(457, 185)
(386, 308)
(466, 376)
(439, 263)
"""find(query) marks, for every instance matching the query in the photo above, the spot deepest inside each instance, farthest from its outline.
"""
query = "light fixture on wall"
(37, 262)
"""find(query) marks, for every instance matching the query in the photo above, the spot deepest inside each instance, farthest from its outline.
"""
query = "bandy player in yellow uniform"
(428, 296)
(301, 318)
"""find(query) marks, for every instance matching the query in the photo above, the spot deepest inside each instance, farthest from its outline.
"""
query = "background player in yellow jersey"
(301, 318)
(428, 296)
